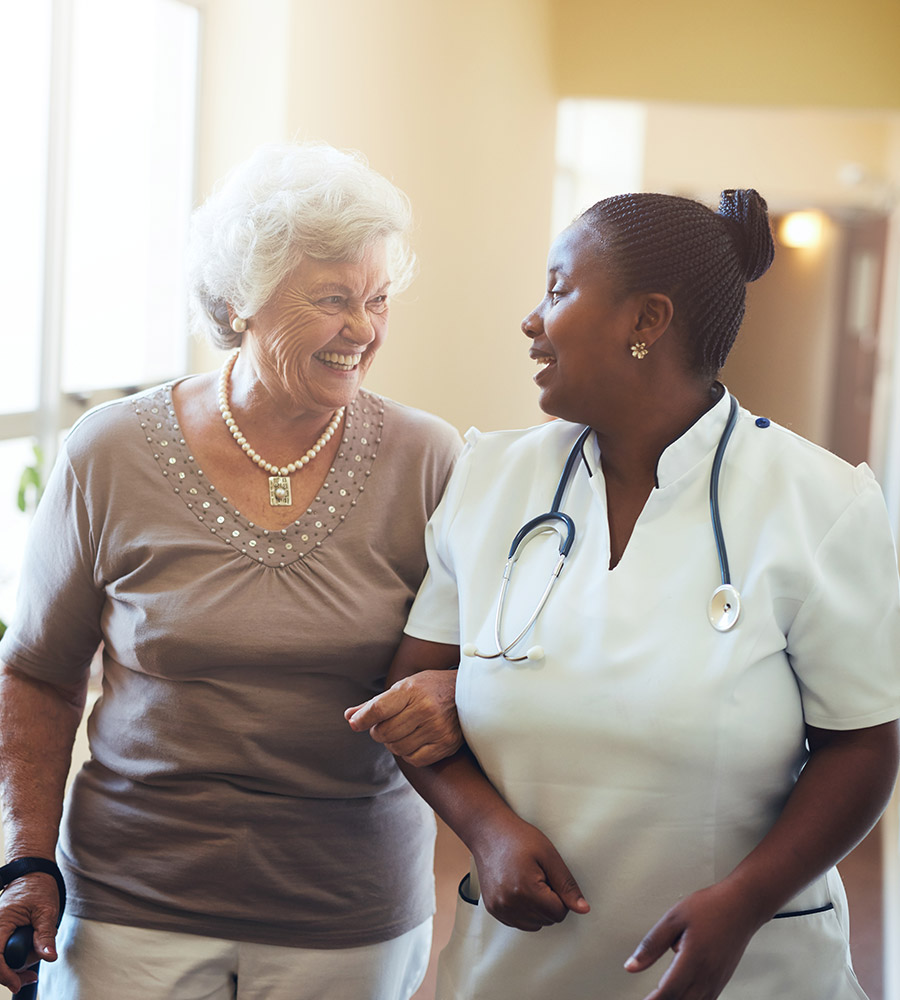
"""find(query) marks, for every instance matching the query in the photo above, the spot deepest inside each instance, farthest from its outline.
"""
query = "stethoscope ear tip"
(535, 653)
(470, 649)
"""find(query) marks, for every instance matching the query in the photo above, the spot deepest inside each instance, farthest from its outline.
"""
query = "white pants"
(99, 961)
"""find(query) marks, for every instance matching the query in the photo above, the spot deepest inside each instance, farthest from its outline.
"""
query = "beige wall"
(773, 52)
(782, 363)
(887, 385)
(836, 160)
(454, 102)
(243, 81)
(796, 157)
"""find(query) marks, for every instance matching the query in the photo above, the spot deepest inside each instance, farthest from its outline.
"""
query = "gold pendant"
(279, 491)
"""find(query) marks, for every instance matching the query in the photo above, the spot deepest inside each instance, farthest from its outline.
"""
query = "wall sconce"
(801, 229)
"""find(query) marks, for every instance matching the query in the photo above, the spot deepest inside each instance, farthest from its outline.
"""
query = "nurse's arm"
(838, 798)
(524, 881)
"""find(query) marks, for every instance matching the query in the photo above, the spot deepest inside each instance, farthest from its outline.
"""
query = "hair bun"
(752, 234)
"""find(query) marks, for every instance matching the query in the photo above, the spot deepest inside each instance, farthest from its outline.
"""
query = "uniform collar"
(690, 448)
(693, 445)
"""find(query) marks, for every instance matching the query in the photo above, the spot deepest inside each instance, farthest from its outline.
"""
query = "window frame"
(56, 410)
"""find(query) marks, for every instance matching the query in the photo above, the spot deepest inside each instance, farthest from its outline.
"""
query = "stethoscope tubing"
(725, 604)
(714, 514)
(553, 520)
(538, 525)
(535, 527)
(576, 453)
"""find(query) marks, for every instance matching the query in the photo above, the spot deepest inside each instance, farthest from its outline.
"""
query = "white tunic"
(654, 751)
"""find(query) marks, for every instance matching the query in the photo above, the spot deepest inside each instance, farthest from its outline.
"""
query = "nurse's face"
(582, 332)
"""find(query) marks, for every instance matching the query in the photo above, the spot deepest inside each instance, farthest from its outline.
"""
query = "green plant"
(31, 483)
(31, 486)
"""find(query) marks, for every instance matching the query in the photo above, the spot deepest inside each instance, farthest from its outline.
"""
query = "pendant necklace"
(279, 475)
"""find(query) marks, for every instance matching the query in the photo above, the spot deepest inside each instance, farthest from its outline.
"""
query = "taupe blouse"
(225, 794)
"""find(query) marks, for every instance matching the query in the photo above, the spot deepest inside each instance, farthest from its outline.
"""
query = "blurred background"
(501, 119)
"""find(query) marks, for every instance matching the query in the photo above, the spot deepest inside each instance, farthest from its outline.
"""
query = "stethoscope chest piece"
(724, 608)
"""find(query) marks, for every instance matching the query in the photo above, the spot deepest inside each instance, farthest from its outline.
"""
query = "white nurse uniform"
(654, 751)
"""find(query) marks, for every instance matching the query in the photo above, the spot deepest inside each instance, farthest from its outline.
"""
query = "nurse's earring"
(651, 319)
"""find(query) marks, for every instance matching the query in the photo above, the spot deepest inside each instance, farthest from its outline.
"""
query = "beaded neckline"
(274, 547)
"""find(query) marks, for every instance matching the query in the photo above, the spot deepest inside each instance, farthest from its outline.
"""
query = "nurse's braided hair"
(701, 259)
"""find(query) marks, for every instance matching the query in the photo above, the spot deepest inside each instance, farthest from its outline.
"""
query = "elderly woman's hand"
(415, 718)
(30, 901)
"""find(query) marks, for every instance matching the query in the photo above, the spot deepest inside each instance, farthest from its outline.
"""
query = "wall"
(836, 160)
(775, 52)
(782, 362)
(243, 97)
(456, 103)
(795, 157)
(887, 386)
(452, 101)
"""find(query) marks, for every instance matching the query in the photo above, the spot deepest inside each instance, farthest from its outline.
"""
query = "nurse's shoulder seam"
(792, 446)
(522, 438)
(492, 456)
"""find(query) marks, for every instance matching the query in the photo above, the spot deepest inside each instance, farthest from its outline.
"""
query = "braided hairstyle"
(701, 259)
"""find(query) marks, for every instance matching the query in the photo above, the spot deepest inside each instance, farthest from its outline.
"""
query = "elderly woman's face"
(316, 338)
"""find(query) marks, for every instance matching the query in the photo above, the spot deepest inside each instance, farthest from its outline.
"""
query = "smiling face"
(314, 340)
(582, 332)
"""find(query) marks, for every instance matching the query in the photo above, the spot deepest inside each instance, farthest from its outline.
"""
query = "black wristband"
(26, 866)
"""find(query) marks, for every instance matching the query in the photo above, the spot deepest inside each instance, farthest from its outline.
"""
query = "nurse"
(650, 784)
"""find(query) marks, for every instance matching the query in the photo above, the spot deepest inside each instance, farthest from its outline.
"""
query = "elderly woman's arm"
(524, 881)
(838, 798)
(38, 722)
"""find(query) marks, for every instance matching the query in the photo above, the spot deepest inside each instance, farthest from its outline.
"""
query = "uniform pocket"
(801, 954)
(466, 891)
(457, 972)
(791, 914)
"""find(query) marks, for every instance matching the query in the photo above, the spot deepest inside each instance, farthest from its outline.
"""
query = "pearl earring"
(239, 324)
(639, 350)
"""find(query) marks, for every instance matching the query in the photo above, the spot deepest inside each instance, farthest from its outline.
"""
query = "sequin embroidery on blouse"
(338, 495)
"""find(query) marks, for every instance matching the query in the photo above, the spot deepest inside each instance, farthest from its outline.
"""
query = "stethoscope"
(723, 609)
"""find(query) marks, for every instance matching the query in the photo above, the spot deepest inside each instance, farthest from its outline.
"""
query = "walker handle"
(18, 948)
(15, 954)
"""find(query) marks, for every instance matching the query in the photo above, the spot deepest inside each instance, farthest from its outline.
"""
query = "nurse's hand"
(415, 718)
(524, 881)
(709, 932)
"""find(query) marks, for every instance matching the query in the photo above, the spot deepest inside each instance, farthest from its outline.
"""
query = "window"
(99, 189)
(599, 152)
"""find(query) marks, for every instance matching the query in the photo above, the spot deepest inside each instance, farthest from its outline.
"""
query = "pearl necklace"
(279, 475)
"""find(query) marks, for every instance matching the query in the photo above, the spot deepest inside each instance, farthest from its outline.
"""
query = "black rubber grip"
(18, 948)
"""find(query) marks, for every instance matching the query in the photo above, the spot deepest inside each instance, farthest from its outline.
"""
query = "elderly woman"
(649, 767)
(246, 546)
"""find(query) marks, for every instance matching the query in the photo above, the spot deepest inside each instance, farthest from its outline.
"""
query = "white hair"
(285, 203)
